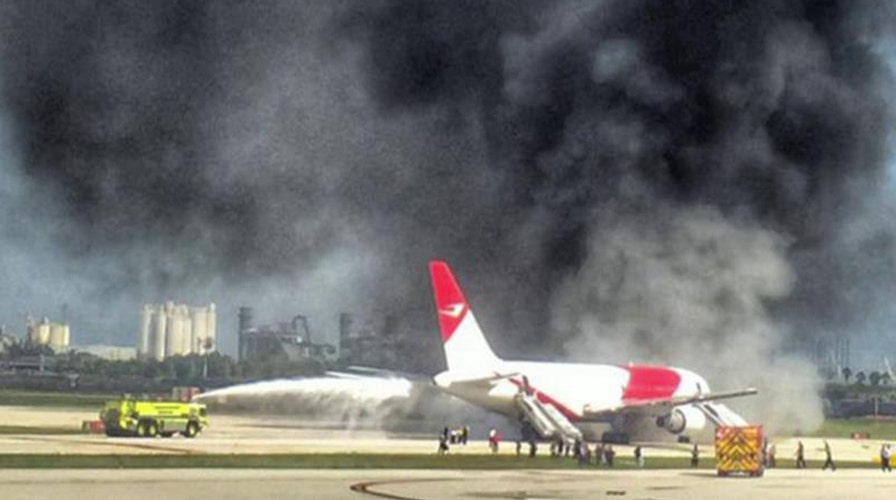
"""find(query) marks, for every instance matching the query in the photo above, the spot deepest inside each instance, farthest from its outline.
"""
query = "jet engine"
(682, 418)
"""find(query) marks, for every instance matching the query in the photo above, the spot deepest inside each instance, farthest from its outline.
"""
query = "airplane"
(556, 399)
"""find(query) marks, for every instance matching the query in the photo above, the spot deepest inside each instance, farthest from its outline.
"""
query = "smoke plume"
(659, 180)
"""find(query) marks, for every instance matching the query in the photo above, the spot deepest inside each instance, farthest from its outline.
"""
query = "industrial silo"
(199, 317)
(143, 345)
(58, 337)
(159, 329)
(211, 326)
(186, 339)
(43, 332)
(33, 332)
(174, 331)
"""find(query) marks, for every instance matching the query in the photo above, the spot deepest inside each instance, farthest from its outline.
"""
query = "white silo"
(143, 345)
(210, 328)
(33, 332)
(43, 332)
(174, 331)
(66, 335)
(57, 338)
(160, 327)
(187, 331)
(199, 316)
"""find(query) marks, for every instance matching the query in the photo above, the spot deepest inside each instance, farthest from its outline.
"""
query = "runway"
(426, 485)
(272, 435)
(230, 434)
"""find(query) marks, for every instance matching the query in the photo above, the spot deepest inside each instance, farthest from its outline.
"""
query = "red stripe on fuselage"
(650, 382)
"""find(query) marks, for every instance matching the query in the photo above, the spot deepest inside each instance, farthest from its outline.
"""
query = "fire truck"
(138, 418)
(739, 451)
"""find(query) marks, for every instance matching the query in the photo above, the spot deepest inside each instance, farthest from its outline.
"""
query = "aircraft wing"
(661, 405)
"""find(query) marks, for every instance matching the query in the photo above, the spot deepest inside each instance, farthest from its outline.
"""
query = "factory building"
(57, 336)
(176, 330)
(367, 346)
(109, 352)
(282, 341)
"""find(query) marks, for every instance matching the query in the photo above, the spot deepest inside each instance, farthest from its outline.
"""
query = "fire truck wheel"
(192, 430)
(150, 429)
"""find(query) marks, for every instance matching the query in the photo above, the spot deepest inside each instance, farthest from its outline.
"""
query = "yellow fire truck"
(132, 417)
(739, 451)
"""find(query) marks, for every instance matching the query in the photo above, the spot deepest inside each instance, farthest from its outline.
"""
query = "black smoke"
(230, 143)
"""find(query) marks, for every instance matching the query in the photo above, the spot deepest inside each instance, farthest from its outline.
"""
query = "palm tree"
(860, 378)
(846, 374)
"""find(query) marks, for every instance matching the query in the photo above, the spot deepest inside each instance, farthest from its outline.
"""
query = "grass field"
(39, 431)
(58, 399)
(844, 428)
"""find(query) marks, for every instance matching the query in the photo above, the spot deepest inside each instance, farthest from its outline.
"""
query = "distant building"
(176, 330)
(109, 352)
(282, 341)
(55, 335)
(366, 346)
(6, 341)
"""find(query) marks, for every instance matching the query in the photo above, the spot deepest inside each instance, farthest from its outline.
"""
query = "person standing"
(772, 461)
(493, 440)
(828, 460)
(639, 456)
(885, 458)
(800, 456)
(695, 456)
(443, 443)
(610, 454)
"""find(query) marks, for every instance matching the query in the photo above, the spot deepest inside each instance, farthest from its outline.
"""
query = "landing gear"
(613, 437)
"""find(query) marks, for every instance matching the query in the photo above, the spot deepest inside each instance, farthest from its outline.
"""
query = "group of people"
(461, 435)
(602, 454)
(455, 436)
(801, 456)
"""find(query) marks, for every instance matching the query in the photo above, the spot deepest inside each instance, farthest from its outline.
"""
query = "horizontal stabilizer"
(448, 378)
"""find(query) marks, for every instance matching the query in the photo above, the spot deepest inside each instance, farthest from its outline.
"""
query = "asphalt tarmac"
(228, 484)
(231, 434)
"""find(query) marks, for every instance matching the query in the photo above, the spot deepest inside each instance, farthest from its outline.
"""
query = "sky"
(660, 181)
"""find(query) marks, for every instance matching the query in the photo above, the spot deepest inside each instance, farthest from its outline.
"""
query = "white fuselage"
(574, 389)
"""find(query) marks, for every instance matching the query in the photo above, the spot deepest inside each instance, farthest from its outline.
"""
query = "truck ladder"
(545, 419)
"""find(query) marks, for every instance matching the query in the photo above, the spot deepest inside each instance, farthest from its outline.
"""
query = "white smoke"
(690, 288)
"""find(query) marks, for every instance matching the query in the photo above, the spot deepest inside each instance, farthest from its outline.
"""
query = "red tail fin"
(450, 302)
(465, 346)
